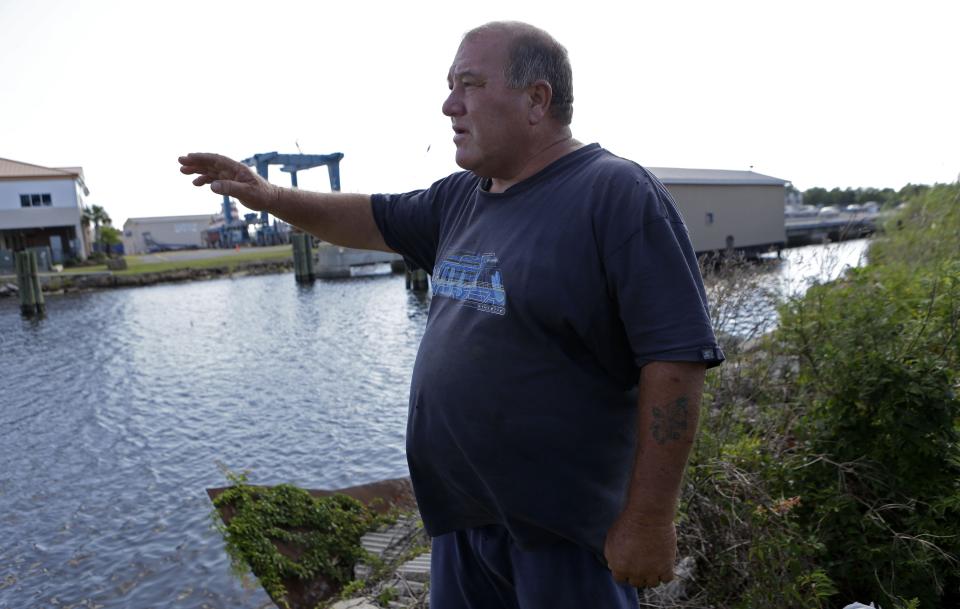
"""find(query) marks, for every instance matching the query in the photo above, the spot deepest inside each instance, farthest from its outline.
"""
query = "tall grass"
(828, 465)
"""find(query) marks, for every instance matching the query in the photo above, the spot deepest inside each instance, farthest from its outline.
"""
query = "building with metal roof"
(162, 233)
(726, 209)
(43, 207)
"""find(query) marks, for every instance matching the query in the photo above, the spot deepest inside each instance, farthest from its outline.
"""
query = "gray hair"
(536, 55)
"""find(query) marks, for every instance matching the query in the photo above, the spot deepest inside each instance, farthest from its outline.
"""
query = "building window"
(36, 200)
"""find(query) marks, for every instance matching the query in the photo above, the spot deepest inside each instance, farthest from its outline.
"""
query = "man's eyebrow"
(451, 75)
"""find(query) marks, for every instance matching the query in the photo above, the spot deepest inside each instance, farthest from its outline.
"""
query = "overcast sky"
(836, 93)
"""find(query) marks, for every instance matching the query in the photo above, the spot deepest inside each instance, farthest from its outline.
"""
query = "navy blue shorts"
(483, 568)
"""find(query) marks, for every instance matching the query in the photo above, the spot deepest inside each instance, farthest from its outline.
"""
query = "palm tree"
(97, 215)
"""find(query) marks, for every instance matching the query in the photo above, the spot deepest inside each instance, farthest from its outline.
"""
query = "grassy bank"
(828, 466)
(168, 267)
(159, 263)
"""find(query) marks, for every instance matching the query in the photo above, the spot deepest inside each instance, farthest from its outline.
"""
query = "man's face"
(489, 119)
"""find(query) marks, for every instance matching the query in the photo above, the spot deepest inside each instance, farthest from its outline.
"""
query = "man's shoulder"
(626, 168)
(624, 192)
(607, 173)
(457, 182)
(614, 171)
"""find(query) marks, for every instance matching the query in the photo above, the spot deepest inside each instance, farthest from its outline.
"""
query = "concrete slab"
(417, 570)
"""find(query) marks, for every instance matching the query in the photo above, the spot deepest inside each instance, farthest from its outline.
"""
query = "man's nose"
(452, 106)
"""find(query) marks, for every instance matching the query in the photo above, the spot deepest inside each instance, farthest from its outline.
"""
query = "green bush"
(323, 532)
(878, 460)
(828, 464)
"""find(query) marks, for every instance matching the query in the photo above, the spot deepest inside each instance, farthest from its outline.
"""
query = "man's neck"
(559, 146)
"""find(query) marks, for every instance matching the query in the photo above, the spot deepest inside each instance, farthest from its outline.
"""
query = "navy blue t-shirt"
(547, 300)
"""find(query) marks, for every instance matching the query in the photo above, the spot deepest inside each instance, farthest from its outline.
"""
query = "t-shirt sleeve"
(653, 274)
(410, 223)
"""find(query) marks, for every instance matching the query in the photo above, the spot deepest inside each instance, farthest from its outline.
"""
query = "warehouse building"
(42, 207)
(164, 233)
(728, 210)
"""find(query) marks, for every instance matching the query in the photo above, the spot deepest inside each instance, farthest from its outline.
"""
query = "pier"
(839, 227)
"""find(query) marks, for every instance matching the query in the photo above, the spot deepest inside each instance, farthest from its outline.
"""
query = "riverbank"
(62, 283)
(164, 267)
(192, 265)
(826, 464)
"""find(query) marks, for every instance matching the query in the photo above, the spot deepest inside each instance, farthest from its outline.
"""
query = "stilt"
(28, 283)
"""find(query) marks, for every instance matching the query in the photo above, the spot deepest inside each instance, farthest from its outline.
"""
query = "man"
(556, 391)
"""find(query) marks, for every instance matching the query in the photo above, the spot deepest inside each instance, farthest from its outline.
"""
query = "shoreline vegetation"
(184, 265)
(151, 269)
(305, 546)
(827, 468)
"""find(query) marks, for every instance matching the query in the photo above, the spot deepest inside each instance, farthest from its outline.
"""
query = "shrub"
(879, 462)
(828, 464)
(322, 535)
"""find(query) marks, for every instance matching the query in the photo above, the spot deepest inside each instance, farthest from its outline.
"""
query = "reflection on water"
(116, 410)
(744, 297)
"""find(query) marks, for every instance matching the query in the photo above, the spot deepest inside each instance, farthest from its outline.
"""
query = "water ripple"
(117, 409)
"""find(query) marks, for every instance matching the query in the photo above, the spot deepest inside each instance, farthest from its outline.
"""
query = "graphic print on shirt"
(473, 279)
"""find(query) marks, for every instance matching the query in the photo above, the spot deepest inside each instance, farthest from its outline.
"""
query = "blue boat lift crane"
(268, 234)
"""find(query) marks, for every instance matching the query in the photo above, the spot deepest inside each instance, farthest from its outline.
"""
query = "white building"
(43, 207)
(145, 235)
(728, 210)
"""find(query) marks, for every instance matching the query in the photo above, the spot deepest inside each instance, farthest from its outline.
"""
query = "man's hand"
(641, 554)
(341, 218)
(228, 177)
(641, 545)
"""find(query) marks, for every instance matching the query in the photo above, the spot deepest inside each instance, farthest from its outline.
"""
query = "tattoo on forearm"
(670, 422)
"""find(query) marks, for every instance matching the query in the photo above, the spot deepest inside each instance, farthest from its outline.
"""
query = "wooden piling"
(302, 258)
(417, 280)
(28, 283)
(308, 252)
(297, 256)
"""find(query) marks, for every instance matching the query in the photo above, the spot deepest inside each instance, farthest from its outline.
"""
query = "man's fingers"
(225, 187)
(230, 188)
(639, 581)
(225, 177)
(635, 580)
(201, 158)
(204, 162)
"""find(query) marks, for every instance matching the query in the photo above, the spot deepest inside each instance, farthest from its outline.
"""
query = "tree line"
(886, 197)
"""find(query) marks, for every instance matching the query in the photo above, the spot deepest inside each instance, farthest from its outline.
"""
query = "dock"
(839, 227)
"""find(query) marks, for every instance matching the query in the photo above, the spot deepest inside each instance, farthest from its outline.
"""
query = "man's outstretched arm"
(340, 218)
(641, 546)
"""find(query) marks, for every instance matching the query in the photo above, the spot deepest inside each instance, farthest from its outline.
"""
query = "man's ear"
(539, 94)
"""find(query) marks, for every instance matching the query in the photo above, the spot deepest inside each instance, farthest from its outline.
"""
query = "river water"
(120, 407)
